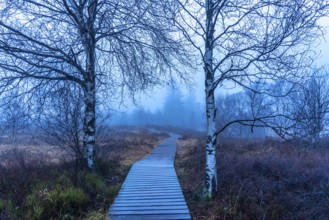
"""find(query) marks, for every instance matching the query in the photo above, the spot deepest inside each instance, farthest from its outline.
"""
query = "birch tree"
(117, 46)
(241, 42)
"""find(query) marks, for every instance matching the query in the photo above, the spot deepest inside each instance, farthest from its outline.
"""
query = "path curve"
(151, 189)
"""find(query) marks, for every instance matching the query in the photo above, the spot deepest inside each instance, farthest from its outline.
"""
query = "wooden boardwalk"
(151, 189)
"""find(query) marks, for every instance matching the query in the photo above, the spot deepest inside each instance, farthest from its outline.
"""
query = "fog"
(183, 110)
(178, 110)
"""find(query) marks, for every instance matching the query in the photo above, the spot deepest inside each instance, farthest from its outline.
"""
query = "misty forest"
(164, 109)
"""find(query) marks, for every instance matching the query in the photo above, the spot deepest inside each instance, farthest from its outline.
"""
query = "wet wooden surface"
(151, 189)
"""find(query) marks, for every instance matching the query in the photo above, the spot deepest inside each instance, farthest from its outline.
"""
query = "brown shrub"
(33, 188)
(265, 179)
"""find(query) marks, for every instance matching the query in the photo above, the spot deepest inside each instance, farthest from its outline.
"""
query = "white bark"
(90, 103)
(85, 20)
(89, 126)
(211, 168)
(211, 171)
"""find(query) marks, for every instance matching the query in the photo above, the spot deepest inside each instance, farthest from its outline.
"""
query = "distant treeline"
(185, 112)
(177, 111)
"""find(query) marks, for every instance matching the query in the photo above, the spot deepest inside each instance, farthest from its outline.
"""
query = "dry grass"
(257, 180)
(189, 163)
(26, 170)
(47, 153)
(123, 145)
(127, 147)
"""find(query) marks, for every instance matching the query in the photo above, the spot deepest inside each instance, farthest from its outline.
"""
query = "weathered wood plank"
(149, 208)
(143, 204)
(158, 193)
(149, 201)
(151, 189)
(146, 187)
(150, 212)
(156, 203)
(150, 217)
(151, 198)
(145, 176)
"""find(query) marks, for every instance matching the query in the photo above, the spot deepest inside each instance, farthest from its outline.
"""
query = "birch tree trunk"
(90, 110)
(88, 37)
(90, 96)
(211, 171)
(89, 123)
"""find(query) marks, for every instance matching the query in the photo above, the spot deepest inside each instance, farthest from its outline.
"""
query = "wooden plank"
(154, 177)
(151, 183)
(150, 197)
(147, 187)
(153, 193)
(143, 175)
(138, 177)
(152, 174)
(148, 208)
(149, 212)
(160, 185)
(152, 180)
(150, 217)
(143, 204)
(153, 200)
(151, 189)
